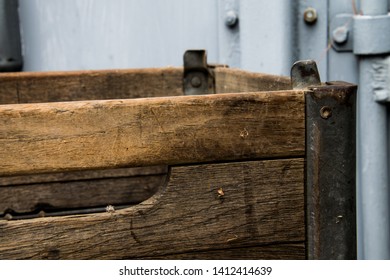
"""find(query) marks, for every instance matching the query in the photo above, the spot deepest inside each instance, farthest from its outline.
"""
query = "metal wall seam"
(312, 38)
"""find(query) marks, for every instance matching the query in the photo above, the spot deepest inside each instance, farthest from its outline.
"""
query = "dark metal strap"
(330, 171)
(10, 47)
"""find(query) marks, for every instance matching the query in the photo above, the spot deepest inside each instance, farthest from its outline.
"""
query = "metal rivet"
(310, 15)
(340, 34)
(326, 112)
(196, 82)
(231, 18)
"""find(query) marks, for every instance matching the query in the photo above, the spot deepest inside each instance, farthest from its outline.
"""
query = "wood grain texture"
(38, 87)
(55, 137)
(236, 80)
(262, 203)
(78, 194)
(293, 251)
(82, 175)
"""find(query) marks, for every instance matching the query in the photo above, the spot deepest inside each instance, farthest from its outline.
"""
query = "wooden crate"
(260, 168)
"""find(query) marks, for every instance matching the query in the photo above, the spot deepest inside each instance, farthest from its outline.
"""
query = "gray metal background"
(269, 37)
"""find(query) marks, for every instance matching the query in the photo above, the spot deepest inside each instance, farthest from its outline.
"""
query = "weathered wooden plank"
(66, 177)
(262, 203)
(36, 87)
(236, 80)
(294, 251)
(54, 137)
(79, 194)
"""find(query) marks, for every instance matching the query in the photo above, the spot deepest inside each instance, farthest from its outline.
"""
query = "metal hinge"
(199, 76)
(10, 47)
(360, 34)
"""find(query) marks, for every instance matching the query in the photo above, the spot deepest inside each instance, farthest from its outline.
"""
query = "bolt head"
(231, 18)
(326, 112)
(340, 35)
(310, 15)
(196, 82)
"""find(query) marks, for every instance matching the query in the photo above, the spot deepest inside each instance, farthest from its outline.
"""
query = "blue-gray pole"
(373, 169)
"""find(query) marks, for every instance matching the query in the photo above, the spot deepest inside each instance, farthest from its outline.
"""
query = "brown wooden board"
(38, 87)
(78, 189)
(78, 194)
(236, 80)
(202, 208)
(82, 175)
(35, 87)
(287, 251)
(55, 137)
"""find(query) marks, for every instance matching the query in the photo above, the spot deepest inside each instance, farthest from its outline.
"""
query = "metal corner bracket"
(330, 187)
(330, 164)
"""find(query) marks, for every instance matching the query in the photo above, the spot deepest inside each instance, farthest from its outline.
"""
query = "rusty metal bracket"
(198, 79)
(330, 171)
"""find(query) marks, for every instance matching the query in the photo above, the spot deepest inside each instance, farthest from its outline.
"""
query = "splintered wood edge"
(262, 204)
(63, 136)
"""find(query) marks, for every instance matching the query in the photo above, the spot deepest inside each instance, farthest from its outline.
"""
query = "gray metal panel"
(313, 38)
(267, 35)
(229, 36)
(342, 66)
(96, 34)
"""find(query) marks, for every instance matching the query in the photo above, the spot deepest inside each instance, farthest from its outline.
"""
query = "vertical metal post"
(373, 152)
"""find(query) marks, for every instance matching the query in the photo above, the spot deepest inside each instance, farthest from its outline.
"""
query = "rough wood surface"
(293, 251)
(35, 87)
(236, 80)
(79, 189)
(78, 194)
(38, 87)
(83, 175)
(202, 208)
(54, 137)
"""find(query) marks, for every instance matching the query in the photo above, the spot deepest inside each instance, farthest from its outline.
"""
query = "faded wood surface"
(78, 194)
(39, 87)
(262, 204)
(284, 251)
(79, 189)
(35, 87)
(55, 137)
(236, 80)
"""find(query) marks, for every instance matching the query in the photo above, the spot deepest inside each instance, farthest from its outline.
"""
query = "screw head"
(310, 15)
(231, 18)
(326, 112)
(340, 34)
